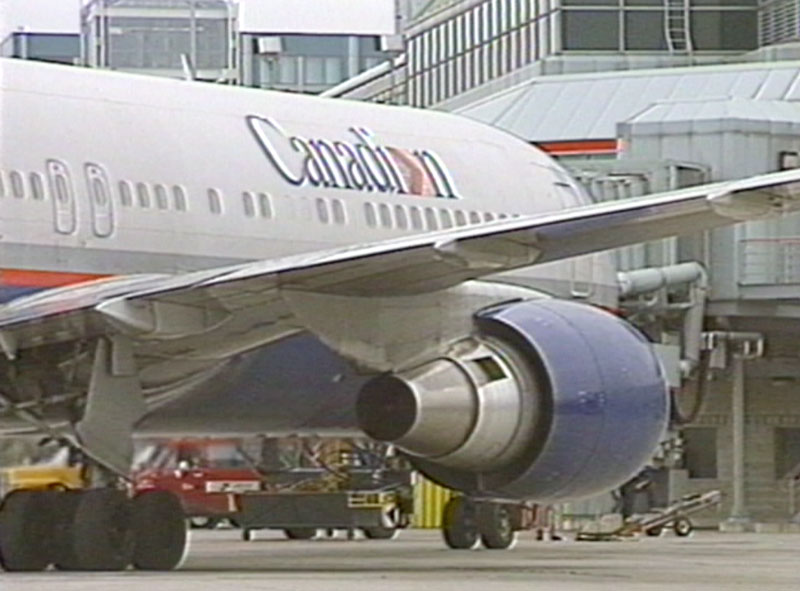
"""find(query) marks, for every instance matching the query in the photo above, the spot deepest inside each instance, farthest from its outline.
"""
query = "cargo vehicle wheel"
(65, 505)
(159, 531)
(495, 526)
(380, 533)
(300, 533)
(460, 524)
(654, 532)
(99, 536)
(25, 531)
(682, 526)
(203, 522)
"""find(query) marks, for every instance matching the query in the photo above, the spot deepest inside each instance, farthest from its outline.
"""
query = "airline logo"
(358, 163)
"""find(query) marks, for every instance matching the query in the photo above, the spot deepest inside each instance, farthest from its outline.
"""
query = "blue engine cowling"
(551, 400)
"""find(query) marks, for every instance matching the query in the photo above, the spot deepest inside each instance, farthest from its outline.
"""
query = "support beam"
(739, 512)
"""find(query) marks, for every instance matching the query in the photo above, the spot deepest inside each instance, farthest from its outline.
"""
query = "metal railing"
(769, 261)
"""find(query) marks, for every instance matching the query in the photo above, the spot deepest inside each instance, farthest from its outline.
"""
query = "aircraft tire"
(99, 536)
(495, 526)
(159, 531)
(460, 525)
(300, 533)
(25, 531)
(65, 505)
(380, 532)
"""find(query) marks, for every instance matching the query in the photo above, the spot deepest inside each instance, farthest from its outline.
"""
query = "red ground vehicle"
(202, 473)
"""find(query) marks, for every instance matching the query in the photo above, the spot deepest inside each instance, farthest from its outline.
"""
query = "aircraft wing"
(247, 296)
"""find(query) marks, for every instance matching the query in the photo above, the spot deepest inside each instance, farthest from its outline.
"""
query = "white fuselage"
(105, 173)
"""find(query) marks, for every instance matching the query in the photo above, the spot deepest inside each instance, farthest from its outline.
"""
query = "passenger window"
(125, 194)
(17, 185)
(447, 220)
(339, 214)
(249, 205)
(323, 213)
(143, 194)
(37, 186)
(431, 219)
(162, 200)
(214, 201)
(401, 217)
(386, 215)
(502, 216)
(416, 218)
(474, 217)
(2, 185)
(179, 197)
(488, 217)
(461, 218)
(369, 214)
(265, 204)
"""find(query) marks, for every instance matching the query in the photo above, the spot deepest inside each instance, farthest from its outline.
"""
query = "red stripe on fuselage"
(43, 279)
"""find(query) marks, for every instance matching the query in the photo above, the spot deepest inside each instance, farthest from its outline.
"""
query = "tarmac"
(418, 561)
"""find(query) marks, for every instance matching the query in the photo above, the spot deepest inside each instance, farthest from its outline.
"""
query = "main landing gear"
(468, 523)
(91, 530)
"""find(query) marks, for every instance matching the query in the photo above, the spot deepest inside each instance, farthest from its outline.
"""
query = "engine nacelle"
(552, 400)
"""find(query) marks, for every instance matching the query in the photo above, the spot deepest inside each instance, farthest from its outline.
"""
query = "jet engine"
(550, 400)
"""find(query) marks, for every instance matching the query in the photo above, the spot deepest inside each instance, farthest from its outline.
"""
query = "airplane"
(155, 232)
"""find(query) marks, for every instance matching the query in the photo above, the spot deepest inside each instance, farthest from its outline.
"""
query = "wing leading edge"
(161, 307)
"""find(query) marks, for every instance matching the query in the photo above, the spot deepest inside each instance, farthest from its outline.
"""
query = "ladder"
(677, 26)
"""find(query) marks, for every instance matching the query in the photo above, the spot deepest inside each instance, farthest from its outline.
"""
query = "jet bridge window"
(143, 195)
(125, 194)
(17, 185)
(214, 201)
(179, 198)
(37, 186)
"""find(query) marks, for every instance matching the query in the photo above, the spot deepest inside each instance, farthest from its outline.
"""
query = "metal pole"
(738, 510)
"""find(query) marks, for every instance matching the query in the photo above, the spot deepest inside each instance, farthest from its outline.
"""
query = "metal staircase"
(677, 26)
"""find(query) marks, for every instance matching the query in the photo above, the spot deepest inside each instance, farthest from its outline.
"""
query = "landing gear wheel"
(300, 533)
(460, 524)
(380, 532)
(495, 526)
(25, 531)
(682, 526)
(100, 533)
(159, 528)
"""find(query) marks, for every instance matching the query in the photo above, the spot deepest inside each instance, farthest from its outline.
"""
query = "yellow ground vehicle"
(38, 477)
